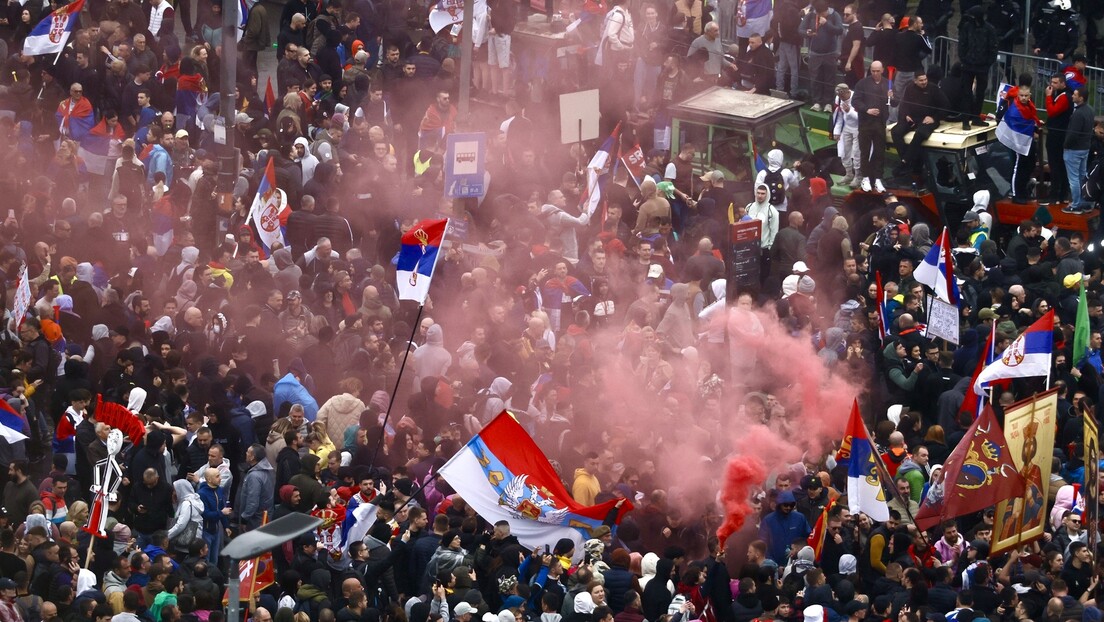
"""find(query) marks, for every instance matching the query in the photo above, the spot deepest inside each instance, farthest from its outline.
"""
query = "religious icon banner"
(1029, 431)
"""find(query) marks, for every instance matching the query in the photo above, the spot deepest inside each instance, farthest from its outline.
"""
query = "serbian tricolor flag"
(1029, 355)
(101, 147)
(75, 120)
(883, 308)
(597, 172)
(265, 212)
(503, 475)
(161, 224)
(974, 400)
(269, 98)
(820, 531)
(50, 35)
(937, 270)
(418, 259)
(12, 424)
(864, 488)
(1017, 127)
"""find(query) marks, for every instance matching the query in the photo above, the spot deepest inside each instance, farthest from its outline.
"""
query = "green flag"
(1081, 329)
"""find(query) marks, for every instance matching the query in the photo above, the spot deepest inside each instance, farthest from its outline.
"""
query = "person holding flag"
(1018, 123)
(268, 210)
(937, 270)
(864, 489)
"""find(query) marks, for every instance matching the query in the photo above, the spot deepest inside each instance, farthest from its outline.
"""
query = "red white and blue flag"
(266, 209)
(598, 172)
(1029, 355)
(503, 475)
(883, 308)
(12, 424)
(975, 400)
(1017, 126)
(417, 259)
(50, 35)
(101, 147)
(937, 270)
(864, 488)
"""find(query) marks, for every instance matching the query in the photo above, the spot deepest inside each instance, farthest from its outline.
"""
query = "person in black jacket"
(871, 100)
(922, 109)
(756, 67)
(1056, 30)
(977, 51)
(150, 505)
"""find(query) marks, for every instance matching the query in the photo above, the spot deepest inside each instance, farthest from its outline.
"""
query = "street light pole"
(228, 158)
(466, 59)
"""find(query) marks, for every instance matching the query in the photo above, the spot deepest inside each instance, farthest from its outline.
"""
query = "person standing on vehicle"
(1079, 136)
(1059, 105)
(784, 27)
(977, 51)
(910, 50)
(845, 131)
(823, 27)
(871, 100)
(1019, 136)
(852, 52)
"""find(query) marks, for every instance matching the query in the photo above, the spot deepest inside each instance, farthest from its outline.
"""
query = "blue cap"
(786, 496)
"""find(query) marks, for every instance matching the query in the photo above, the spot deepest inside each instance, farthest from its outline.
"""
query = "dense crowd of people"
(269, 379)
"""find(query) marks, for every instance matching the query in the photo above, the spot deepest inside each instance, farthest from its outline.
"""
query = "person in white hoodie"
(778, 179)
(845, 130)
(305, 158)
(188, 517)
(762, 210)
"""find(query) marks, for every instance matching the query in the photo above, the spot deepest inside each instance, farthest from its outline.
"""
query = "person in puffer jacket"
(342, 410)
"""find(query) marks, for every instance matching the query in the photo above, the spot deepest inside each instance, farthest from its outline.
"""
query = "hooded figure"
(778, 180)
(676, 323)
(766, 213)
(921, 237)
(187, 516)
(431, 359)
(339, 412)
(657, 595)
(498, 399)
(306, 481)
(307, 161)
(981, 208)
(825, 225)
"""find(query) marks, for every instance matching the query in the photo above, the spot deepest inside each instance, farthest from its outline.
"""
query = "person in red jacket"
(1058, 107)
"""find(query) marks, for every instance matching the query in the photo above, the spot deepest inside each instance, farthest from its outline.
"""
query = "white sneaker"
(879, 187)
(815, 108)
(865, 184)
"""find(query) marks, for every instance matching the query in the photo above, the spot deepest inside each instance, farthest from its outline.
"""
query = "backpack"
(1093, 188)
(189, 535)
(776, 184)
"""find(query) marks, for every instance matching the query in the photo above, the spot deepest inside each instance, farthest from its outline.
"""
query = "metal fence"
(1009, 65)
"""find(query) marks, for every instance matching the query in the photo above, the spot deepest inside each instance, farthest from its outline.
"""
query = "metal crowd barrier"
(1009, 65)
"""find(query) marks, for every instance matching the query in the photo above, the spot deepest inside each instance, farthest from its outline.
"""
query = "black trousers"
(1059, 182)
(974, 85)
(1022, 169)
(911, 152)
(872, 144)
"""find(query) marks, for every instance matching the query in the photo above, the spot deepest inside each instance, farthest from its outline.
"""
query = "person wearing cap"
(782, 527)
(812, 498)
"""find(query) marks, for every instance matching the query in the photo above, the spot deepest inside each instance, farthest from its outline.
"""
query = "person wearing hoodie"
(677, 325)
(914, 469)
(780, 181)
(653, 205)
(306, 481)
(342, 410)
(657, 593)
(782, 527)
(763, 210)
(431, 359)
(585, 487)
(498, 399)
(304, 158)
(291, 388)
(901, 380)
(187, 518)
(257, 487)
(372, 307)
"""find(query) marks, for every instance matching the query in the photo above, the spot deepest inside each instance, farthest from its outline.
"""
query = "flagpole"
(883, 474)
(398, 381)
(629, 170)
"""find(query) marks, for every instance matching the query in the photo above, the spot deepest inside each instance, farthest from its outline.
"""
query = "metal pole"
(1027, 28)
(466, 59)
(228, 159)
(233, 607)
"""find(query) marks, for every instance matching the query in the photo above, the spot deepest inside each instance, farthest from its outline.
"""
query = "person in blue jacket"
(216, 513)
(782, 527)
(293, 388)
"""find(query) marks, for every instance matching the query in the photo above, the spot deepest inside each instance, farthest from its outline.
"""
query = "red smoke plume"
(742, 475)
